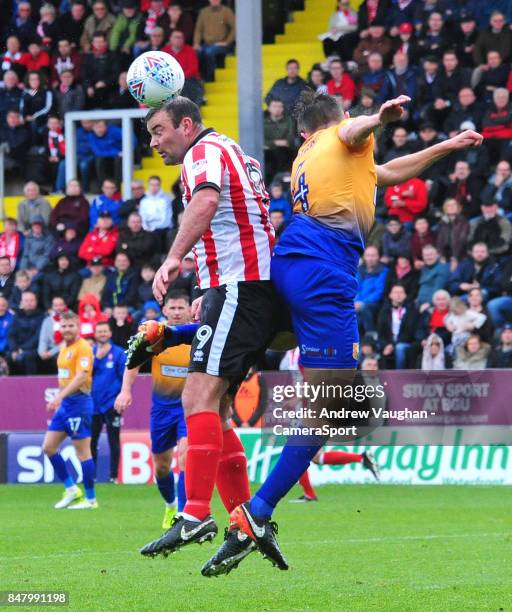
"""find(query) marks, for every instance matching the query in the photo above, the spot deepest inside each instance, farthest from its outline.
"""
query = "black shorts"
(111, 417)
(238, 324)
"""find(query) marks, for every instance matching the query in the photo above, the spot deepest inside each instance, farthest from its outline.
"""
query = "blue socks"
(293, 462)
(59, 465)
(166, 487)
(88, 471)
(180, 334)
(182, 496)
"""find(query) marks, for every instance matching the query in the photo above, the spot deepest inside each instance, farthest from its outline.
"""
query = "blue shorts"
(320, 296)
(167, 426)
(74, 416)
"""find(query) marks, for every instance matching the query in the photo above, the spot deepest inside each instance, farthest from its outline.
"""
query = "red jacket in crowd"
(30, 62)
(497, 123)
(187, 59)
(99, 244)
(413, 193)
(346, 88)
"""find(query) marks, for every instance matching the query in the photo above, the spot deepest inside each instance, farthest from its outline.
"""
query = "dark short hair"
(316, 110)
(177, 109)
(154, 177)
(292, 61)
(102, 323)
(98, 33)
(177, 294)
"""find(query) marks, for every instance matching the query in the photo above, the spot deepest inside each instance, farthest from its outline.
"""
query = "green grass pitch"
(360, 548)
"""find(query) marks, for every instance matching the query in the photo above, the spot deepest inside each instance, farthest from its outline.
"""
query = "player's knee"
(49, 449)
(162, 469)
(83, 455)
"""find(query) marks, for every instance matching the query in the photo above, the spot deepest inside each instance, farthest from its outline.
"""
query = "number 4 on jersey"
(301, 193)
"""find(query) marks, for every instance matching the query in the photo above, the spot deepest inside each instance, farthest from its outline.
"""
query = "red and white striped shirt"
(239, 242)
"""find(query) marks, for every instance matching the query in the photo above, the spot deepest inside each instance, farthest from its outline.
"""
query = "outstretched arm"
(355, 132)
(407, 167)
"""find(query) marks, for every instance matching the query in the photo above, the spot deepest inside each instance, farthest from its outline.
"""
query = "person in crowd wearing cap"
(497, 125)
(33, 205)
(497, 37)
(373, 77)
(107, 201)
(400, 12)
(278, 138)
(407, 199)
(341, 36)
(407, 43)
(478, 270)
(375, 41)
(68, 243)
(403, 272)
(121, 285)
(50, 337)
(499, 187)
(465, 108)
(187, 58)
(156, 212)
(465, 187)
(501, 356)
(135, 241)
(486, 80)
(71, 24)
(72, 208)
(101, 241)
(465, 37)
(395, 240)
(37, 248)
(371, 276)
(341, 84)
(61, 280)
(94, 281)
(401, 80)
(493, 229)
(124, 31)
(453, 233)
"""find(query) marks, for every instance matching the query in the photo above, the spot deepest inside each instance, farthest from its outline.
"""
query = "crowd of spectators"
(75, 57)
(435, 280)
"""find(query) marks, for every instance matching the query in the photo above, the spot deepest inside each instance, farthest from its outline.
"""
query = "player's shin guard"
(293, 462)
(232, 477)
(203, 454)
(166, 487)
(340, 458)
(88, 471)
(182, 496)
(59, 465)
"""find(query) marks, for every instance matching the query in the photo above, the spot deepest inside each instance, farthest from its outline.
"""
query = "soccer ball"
(155, 77)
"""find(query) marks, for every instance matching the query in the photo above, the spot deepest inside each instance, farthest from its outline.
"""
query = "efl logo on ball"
(155, 77)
